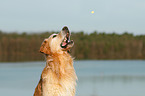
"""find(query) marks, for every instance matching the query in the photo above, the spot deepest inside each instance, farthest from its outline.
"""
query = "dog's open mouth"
(67, 43)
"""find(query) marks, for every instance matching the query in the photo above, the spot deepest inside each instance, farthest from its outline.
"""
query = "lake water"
(95, 78)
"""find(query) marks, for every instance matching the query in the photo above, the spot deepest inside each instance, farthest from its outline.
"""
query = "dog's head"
(57, 43)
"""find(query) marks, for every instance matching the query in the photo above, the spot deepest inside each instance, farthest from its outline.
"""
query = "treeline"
(25, 47)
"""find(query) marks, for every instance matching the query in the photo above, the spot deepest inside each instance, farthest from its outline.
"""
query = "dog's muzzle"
(66, 41)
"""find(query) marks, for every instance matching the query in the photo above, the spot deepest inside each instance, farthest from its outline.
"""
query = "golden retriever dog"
(58, 78)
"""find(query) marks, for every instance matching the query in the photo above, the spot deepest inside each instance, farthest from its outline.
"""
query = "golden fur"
(58, 78)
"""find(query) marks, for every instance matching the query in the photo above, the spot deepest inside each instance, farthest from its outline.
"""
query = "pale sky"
(47, 15)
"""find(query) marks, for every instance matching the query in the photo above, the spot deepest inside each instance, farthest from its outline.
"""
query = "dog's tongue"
(64, 43)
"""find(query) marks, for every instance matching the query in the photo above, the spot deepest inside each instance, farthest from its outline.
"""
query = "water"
(95, 78)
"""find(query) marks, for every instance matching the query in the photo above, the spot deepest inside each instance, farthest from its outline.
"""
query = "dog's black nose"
(65, 28)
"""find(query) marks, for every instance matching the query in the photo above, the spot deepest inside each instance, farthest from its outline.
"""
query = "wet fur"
(58, 78)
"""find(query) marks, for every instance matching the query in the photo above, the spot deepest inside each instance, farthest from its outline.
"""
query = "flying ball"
(92, 12)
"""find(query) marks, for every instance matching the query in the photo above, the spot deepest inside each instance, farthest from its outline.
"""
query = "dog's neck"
(59, 63)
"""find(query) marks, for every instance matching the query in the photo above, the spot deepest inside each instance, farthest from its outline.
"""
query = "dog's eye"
(54, 36)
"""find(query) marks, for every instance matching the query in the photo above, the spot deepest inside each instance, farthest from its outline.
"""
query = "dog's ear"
(45, 47)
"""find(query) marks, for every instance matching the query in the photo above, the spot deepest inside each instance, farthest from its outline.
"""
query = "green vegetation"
(25, 47)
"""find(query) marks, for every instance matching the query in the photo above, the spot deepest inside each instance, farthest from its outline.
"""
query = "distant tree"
(96, 45)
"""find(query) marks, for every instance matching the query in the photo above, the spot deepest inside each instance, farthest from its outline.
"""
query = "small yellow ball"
(92, 12)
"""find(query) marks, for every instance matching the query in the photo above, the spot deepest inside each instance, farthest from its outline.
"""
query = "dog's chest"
(54, 86)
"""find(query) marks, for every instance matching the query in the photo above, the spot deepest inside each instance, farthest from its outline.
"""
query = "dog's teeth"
(65, 39)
